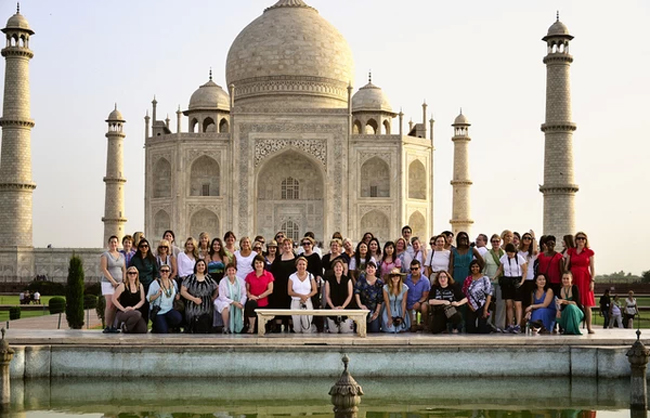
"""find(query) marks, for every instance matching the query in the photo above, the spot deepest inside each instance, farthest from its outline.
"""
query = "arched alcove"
(209, 125)
(375, 178)
(204, 221)
(356, 127)
(378, 223)
(223, 126)
(371, 127)
(162, 178)
(204, 177)
(161, 223)
(418, 224)
(417, 181)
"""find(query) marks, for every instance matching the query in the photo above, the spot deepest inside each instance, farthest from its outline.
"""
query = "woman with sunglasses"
(147, 267)
(528, 250)
(581, 264)
(461, 256)
(315, 267)
(162, 294)
(130, 302)
(165, 256)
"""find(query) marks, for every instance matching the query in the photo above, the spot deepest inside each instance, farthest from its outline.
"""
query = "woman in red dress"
(581, 262)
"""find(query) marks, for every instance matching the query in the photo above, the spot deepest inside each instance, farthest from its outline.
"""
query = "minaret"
(114, 219)
(16, 185)
(559, 187)
(460, 211)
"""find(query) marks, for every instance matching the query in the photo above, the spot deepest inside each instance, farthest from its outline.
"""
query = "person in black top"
(605, 302)
(445, 294)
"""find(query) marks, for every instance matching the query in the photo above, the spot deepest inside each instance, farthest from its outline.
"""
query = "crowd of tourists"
(505, 283)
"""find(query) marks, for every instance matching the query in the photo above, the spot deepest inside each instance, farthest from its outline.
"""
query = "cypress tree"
(74, 309)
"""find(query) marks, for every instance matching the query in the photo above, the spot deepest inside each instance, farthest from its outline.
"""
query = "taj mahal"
(286, 145)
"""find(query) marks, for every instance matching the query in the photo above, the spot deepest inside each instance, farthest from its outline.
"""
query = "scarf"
(236, 321)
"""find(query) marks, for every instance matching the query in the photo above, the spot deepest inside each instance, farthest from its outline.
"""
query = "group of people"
(615, 313)
(215, 285)
(26, 297)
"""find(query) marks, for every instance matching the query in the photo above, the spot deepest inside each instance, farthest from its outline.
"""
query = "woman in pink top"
(259, 285)
(389, 260)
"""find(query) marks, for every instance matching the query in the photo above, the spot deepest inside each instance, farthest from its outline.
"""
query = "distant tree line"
(623, 277)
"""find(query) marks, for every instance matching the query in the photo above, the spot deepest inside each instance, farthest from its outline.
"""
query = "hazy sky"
(483, 56)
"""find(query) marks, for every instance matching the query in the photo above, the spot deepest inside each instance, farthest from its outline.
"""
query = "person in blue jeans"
(162, 294)
(369, 295)
(418, 295)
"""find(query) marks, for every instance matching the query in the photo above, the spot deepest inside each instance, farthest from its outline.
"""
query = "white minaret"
(114, 219)
(16, 185)
(559, 186)
(460, 211)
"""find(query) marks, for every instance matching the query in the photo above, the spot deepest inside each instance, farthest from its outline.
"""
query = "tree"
(74, 310)
(645, 277)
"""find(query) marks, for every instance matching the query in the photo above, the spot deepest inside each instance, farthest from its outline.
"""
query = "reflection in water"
(261, 398)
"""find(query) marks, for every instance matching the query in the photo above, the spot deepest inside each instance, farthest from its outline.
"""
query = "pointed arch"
(204, 220)
(161, 223)
(375, 178)
(356, 127)
(205, 177)
(209, 125)
(378, 223)
(224, 127)
(162, 178)
(417, 180)
(193, 124)
(386, 127)
(371, 127)
(418, 224)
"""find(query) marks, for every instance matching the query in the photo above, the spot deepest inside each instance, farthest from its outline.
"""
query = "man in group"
(418, 295)
(481, 244)
(407, 232)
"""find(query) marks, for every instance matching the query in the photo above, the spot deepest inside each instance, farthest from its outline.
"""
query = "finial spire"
(210, 73)
(18, 7)
(115, 105)
(370, 76)
(557, 16)
(461, 110)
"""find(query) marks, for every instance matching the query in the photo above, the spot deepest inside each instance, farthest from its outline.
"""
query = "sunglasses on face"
(131, 273)
(306, 243)
(143, 246)
(164, 271)
(581, 238)
(496, 240)
(415, 268)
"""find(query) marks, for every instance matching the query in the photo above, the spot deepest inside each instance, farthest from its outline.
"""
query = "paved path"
(49, 322)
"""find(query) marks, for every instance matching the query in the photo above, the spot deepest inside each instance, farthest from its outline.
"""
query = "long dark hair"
(222, 250)
(149, 255)
(357, 254)
(383, 254)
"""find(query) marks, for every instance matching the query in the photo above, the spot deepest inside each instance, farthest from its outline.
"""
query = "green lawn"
(4, 315)
(15, 300)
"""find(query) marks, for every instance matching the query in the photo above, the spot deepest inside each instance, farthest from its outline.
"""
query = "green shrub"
(14, 312)
(47, 288)
(74, 310)
(57, 305)
(90, 301)
(101, 310)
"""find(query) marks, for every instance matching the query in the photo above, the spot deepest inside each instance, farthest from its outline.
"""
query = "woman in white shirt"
(438, 258)
(244, 258)
(512, 267)
(301, 287)
(231, 301)
(187, 259)
(528, 250)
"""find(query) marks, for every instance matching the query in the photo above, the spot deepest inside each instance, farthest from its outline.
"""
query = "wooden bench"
(357, 315)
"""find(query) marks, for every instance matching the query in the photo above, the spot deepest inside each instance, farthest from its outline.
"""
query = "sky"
(485, 57)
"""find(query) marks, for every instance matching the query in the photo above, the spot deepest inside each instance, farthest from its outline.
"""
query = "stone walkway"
(49, 322)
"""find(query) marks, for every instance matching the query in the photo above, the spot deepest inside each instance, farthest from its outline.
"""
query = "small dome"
(370, 98)
(210, 96)
(115, 116)
(18, 21)
(558, 28)
(461, 120)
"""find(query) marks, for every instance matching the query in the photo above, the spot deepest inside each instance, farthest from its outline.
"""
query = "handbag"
(154, 311)
(452, 314)
(179, 305)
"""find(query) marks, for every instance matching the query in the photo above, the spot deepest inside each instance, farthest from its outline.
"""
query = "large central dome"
(290, 56)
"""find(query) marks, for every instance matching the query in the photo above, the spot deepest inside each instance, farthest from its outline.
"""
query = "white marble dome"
(292, 52)
(115, 116)
(210, 96)
(461, 120)
(558, 29)
(371, 98)
(18, 21)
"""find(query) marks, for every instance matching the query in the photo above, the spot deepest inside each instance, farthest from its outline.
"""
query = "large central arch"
(290, 190)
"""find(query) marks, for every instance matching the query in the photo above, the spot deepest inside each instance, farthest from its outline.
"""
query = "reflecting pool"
(259, 398)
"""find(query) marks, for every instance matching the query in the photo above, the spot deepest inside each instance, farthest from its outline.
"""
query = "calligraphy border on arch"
(264, 148)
